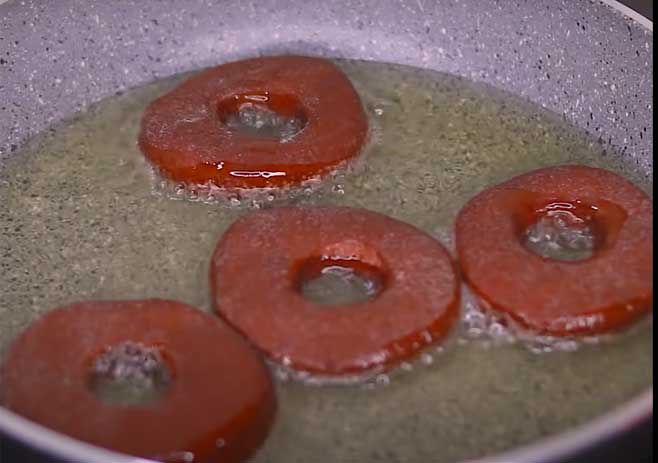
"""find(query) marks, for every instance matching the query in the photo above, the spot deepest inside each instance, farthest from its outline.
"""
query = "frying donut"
(212, 128)
(262, 261)
(218, 405)
(605, 292)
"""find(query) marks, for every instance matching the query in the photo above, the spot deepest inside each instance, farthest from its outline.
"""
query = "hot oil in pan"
(80, 220)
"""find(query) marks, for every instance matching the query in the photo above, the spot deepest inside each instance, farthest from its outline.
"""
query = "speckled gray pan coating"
(579, 58)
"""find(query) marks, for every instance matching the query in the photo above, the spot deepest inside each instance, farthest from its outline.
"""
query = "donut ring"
(604, 293)
(206, 413)
(258, 264)
(185, 134)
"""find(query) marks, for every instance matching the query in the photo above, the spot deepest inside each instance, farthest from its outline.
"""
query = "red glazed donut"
(260, 263)
(219, 406)
(187, 133)
(603, 293)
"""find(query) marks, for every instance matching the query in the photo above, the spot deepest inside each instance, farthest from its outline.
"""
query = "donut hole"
(263, 115)
(343, 274)
(130, 373)
(565, 231)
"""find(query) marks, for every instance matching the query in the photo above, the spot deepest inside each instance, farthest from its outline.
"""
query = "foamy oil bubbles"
(539, 344)
(481, 326)
(548, 344)
(331, 184)
(430, 357)
(283, 372)
(210, 194)
(374, 378)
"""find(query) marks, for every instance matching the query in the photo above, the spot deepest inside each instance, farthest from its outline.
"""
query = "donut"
(262, 261)
(604, 292)
(219, 405)
(192, 134)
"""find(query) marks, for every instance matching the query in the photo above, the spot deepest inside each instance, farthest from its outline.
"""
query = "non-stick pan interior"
(581, 59)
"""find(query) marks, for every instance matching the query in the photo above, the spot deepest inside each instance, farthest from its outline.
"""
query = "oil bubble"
(406, 366)
(382, 380)
(426, 359)
(479, 324)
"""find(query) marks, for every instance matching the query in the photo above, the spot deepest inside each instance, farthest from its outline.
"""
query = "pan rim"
(630, 13)
(561, 445)
(554, 447)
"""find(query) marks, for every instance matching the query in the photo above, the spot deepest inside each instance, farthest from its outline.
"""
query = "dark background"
(644, 7)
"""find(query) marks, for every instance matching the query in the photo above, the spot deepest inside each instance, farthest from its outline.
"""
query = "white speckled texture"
(578, 58)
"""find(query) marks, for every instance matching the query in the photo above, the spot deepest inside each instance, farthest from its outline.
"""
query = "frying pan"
(58, 57)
